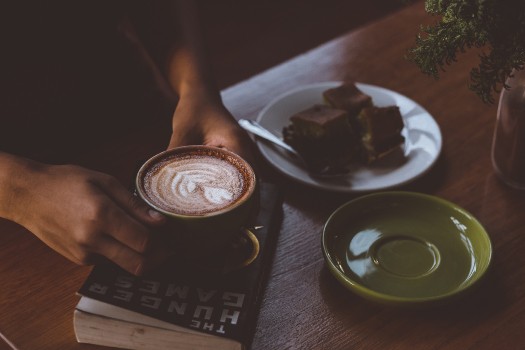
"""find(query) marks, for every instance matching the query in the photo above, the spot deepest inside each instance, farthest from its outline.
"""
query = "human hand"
(83, 214)
(208, 122)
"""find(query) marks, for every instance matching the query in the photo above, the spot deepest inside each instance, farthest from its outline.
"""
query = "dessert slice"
(347, 97)
(380, 130)
(323, 136)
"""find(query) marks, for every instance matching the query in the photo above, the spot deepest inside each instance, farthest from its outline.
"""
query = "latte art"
(195, 184)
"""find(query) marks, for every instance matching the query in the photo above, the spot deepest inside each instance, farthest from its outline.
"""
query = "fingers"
(131, 204)
(128, 228)
(127, 258)
(136, 251)
(236, 141)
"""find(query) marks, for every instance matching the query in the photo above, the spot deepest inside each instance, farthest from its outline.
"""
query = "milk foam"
(194, 185)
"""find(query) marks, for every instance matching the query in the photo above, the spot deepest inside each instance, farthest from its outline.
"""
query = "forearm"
(169, 35)
(188, 68)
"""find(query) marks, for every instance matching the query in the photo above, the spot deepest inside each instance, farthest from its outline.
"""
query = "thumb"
(184, 131)
(134, 205)
(181, 138)
(141, 211)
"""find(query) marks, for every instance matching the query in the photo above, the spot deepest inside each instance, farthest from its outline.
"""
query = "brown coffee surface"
(195, 183)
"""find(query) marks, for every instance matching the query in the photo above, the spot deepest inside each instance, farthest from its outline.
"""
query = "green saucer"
(405, 248)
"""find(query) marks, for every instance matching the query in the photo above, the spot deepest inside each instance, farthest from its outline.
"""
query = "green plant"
(495, 26)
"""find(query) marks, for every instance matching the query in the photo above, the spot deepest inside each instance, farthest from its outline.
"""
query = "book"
(213, 306)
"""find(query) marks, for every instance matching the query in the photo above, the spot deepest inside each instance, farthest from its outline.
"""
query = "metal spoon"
(259, 130)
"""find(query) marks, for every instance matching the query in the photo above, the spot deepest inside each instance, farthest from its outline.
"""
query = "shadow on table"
(477, 306)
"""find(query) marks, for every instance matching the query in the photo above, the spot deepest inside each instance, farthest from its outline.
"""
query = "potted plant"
(498, 28)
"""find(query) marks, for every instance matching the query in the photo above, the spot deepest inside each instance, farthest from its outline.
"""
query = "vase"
(508, 147)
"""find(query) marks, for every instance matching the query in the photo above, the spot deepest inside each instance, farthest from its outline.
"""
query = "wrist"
(199, 92)
(14, 174)
(189, 77)
(199, 99)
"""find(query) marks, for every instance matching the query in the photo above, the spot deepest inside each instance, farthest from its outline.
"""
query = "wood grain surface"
(304, 307)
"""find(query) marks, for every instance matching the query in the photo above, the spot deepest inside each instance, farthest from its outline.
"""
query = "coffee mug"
(208, 194)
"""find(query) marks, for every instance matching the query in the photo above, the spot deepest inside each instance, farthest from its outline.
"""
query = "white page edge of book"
(106, 331)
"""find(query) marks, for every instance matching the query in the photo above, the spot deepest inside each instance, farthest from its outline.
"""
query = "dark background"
(247, 37)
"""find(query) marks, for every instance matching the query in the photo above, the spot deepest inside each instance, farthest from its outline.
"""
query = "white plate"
(421, 149)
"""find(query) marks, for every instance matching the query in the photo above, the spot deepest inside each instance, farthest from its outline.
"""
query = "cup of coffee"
(208, 194)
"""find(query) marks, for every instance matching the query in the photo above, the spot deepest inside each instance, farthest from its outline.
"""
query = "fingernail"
(155, 214)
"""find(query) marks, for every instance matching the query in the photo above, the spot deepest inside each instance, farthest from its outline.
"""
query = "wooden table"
(304, 307)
